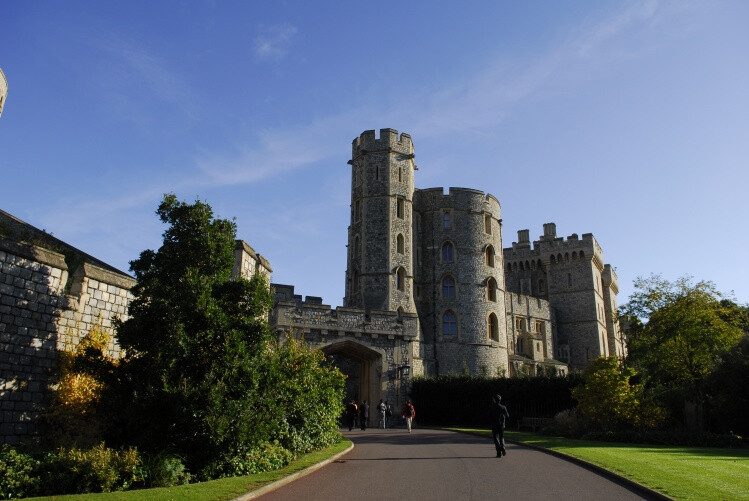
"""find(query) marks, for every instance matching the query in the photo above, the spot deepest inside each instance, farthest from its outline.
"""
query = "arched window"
(490, 256)
(447, 252)
(357, 210)
(401, 279)
(487, 224)
(447, 222)
(356, 281)
(522, 268)
(449, 324)
(574, 255)
(541, 286)
(553, 259)
(448, 287)
(566, 257)
(491, 289)
(582, 255)
(493, 327)
(357, 247)
(400, 208)
(509, 267)
(400, 244)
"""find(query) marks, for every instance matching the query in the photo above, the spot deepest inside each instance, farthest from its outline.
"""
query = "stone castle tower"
(379, 272)
(572, 276)
(460, 287)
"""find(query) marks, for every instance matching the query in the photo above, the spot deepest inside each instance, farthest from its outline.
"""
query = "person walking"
(364, 415)
(409, 413)
(498, 415)
(351, 415)
(382, 409)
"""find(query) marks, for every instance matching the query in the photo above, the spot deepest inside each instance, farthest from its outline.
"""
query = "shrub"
(567, 423)
(99, 469)
(17, 474)
(164, 470)
(264, 457)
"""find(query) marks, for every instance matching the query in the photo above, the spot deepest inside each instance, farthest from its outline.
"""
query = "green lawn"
(678, 472)
(222, 489)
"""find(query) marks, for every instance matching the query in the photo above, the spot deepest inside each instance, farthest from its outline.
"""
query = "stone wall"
(38, 318)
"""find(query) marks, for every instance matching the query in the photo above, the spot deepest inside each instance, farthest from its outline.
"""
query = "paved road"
(437, 465)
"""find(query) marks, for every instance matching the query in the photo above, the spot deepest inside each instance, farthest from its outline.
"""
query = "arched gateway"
(377, 351)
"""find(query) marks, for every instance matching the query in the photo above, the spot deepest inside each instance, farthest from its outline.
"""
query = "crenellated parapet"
(292, 314)
(550, 249)
(388, 141)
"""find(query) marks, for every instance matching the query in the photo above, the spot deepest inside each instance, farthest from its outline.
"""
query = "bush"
(18, 474)
(264, 457)
(567, 423)
(164, 470)
(99, 469)
(670, 437)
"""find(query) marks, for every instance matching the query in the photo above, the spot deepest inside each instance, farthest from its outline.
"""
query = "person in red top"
(409, 413)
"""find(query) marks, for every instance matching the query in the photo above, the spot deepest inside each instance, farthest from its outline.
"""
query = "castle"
(429, 290)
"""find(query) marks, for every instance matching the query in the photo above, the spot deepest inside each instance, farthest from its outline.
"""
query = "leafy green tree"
(727, 394)
(194, 340)
(610, 401)
(676, 330)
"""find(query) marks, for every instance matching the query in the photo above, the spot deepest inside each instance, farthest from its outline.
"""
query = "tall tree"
(676, 330)
(193, 340)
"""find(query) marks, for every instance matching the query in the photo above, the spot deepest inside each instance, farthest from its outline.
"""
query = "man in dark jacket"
(498, 414)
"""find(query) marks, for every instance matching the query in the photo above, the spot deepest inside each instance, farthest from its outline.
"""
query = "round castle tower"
(379, 273)
(460, 287)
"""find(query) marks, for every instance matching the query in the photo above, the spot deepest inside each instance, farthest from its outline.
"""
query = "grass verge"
(678, 472)
(214, 490)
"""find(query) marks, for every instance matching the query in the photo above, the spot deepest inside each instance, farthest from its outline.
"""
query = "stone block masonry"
(38, 318)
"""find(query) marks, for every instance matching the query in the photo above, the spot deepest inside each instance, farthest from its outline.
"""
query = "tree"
(193, 341)
(727, 390)
(609, 400)
(676, 330)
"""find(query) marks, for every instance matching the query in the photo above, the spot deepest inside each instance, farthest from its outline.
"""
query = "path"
(442, 465)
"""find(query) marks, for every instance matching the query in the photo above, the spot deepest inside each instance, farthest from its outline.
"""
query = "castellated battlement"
(465, 199)
(292, 314)
(389, 140)
(549, 243)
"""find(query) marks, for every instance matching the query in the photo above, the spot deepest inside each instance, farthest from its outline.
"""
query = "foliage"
(728, 399)
(74, 417)
(677, 329)
(465, 400)
(204, 377)
(307, 396)
(99, 469)
(260, 458)
(17, 474)
(163, 470)
(567, 423)
(609, 400)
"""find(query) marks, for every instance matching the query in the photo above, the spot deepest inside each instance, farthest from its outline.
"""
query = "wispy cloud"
(273, 44)
(129, 65)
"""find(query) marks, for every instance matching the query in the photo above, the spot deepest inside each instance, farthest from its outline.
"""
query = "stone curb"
(290, 478)
(639, 488)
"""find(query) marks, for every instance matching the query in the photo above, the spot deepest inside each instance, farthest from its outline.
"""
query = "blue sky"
(628, 120)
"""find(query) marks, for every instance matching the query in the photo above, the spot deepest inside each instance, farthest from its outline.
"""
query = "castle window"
(447, 222)
(400, 245)
(356, 281)
(448, 287)
(418, 292)
(400, 174)
(493, 327)
(401, 279)
(509, 267)
(487, 224)
(519, 324)
(357, 210)
(540, 327)
(449, 324)
(491, 289)
(357, 247)
(418, 256)
(553, 260)
(490, 256)
(569, 279)
(581, 254)
(447, 252)
(400, 209)
(541, 286)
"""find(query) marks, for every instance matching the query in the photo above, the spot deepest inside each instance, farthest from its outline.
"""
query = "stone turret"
(379, 274)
